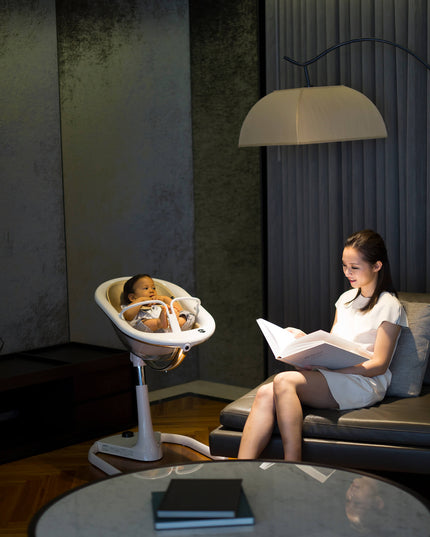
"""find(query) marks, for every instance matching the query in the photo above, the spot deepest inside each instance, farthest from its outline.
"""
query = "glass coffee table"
(286, 499)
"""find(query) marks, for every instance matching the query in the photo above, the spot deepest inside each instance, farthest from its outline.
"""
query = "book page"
(318, 337)
(319, 348)
(277, 338)
(322, 354)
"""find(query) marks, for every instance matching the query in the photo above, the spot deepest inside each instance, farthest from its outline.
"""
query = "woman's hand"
(296, 332)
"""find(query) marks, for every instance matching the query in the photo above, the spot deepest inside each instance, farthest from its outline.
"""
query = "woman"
(369, 314)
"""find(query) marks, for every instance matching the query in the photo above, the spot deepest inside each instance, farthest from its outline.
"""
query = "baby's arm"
(131, 313)
(153, 324)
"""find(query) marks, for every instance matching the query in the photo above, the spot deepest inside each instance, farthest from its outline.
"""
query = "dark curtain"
(319, 194)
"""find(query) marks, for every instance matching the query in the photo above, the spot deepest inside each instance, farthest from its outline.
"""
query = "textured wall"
(225, 84)
(33, 306)
(126, 132)
(129, 198)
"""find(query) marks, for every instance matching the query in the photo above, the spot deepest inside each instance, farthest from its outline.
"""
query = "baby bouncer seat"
(161, 351)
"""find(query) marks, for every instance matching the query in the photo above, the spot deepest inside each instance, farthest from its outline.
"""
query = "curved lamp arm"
(349, 42)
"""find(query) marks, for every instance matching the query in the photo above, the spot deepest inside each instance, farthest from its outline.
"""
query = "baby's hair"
(129, 287)
(372, 248)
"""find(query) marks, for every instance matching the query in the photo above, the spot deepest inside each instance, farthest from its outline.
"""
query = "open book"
(319, 348)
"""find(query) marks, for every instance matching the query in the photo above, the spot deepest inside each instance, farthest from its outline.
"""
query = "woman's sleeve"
(392, 311)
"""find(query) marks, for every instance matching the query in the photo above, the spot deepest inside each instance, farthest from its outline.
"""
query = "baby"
(151, 317)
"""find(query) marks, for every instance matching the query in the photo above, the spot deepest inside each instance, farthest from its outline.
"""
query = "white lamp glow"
(311, 115)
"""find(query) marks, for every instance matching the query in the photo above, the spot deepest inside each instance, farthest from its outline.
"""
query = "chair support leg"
(146, 445)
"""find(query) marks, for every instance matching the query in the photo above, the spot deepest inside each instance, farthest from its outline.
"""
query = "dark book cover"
(245, 517)
(201, 498)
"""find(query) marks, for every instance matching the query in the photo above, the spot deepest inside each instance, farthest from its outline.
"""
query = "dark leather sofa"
(393, 435)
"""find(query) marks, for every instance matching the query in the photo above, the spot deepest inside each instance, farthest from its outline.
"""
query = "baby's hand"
(177, 308)
(164, 299)
(140, 299)
(167, 300)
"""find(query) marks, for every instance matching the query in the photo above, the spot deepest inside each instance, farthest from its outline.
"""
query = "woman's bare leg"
(289, 416)
(259, 425)
(291, 389)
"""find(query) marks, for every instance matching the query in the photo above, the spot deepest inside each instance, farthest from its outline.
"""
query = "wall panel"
(33, 306)
(98, 95)
(225, 83)
(126, 134)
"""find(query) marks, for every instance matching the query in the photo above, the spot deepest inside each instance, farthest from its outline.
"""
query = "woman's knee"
(286, 380)
(264, 394)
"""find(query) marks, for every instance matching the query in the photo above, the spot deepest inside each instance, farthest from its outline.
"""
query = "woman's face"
(361, 274)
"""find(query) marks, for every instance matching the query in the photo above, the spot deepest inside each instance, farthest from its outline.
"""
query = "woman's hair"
(129, 287)
(372, 249)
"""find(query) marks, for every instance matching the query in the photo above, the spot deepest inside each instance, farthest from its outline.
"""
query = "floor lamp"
(315, 114)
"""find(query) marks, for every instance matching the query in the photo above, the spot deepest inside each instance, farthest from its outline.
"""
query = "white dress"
(356, 391)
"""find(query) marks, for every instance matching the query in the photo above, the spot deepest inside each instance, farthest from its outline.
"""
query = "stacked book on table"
(201, 503)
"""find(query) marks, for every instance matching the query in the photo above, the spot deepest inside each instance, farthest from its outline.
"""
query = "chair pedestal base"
(145, 445)
(128, 447)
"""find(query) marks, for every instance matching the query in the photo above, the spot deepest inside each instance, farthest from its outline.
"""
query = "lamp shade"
(310, 116)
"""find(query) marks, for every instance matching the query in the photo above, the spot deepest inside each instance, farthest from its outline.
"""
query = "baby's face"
(144, 288)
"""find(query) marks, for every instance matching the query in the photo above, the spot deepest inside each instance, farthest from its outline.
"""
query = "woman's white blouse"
(361, 327)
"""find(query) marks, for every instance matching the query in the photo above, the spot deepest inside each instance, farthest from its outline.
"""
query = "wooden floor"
(28, 484)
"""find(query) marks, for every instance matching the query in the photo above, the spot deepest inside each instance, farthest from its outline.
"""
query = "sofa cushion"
(401, 422)
(405, 296)
(393, 421)
(410, 360)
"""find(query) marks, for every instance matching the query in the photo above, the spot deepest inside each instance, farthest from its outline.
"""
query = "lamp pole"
(349, 42)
